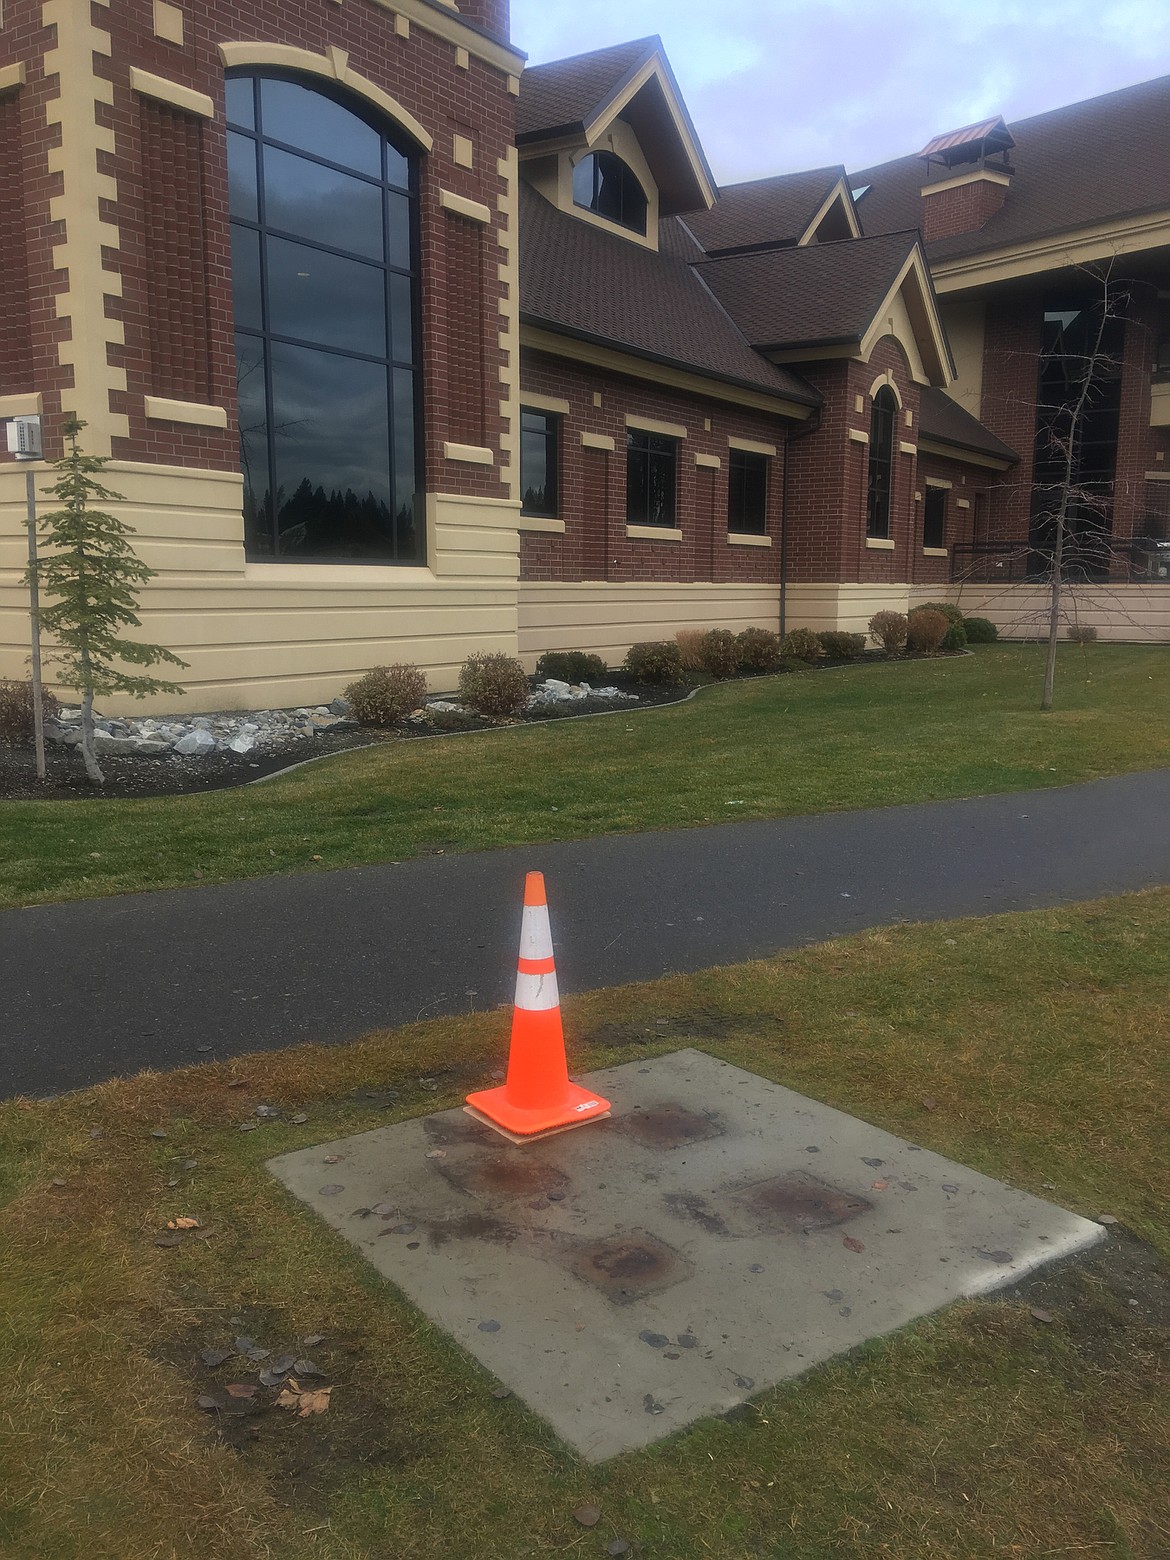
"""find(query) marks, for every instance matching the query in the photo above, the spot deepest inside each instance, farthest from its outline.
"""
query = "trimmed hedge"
(656, 661)
(571, 666)
(980, 631)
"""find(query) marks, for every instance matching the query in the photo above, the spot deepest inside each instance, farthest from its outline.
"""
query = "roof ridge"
(644, 44)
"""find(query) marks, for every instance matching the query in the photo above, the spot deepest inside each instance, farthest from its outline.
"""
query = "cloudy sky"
(778, 85)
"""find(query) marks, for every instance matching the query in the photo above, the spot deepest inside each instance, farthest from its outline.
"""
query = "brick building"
(400, 351)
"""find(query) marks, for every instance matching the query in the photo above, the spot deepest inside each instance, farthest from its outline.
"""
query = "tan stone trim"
(859, 435)
(12, 76)
(938, 482)
(654, 533)
(28, 405)
(469, 454)
(620, 139)
(473, 501)
(980, 176)
(1150, 476)
(401, 26)
(168, 22)
(886, 381)
(462, 59)
(514, 85)
(596, 355)
(172, 92)
(962, 503)
(1079, 246)
(598, 441)
(838, 194)
(542, 523)
(544, 403)
(463, 151)
(451, 27)
(474, 210)
(747, 539)
(507, 231)
(73, 116)
(880, 543)
(708, 462)
(655, 67)
(198, 413)
(935, 552)
(923, 320)
(669, 430)
(333, 67)
(967, 457)
(751, 446)
(1160, 406)
(907, 448)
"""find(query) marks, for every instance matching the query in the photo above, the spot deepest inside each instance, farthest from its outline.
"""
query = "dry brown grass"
(689, 642)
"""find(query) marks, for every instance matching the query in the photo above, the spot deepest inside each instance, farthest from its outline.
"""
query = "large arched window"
(324, 280)
(881, 462)
(603, 183)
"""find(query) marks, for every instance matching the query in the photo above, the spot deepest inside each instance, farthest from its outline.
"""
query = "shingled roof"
(560, 97)
(944, 420)
(578, 280)
(821, 295)
(1107, 158)
(775, 211)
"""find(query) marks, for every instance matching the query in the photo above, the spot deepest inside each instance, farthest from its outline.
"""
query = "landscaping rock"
(199, 742)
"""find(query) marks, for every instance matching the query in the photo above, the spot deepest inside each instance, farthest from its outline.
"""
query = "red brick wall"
(961, 209)
(830, 477)
(492, 15)
(29, 336)
(421, 73)
(593, 484)
(967, 484)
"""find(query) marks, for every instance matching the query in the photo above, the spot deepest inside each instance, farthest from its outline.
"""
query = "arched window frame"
(632, 203)
(404, 543)
(881, 464)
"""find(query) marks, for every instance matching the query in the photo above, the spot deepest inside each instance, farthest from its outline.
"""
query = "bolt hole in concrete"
(647, 1271)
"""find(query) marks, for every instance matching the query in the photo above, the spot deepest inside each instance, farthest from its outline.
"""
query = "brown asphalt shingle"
(578, 279)
(765, 211)
(563, 94)
(1105, 158)
(823, 294)
(941, 418)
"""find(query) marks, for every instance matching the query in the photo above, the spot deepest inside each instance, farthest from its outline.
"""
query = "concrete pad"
(718, 1235)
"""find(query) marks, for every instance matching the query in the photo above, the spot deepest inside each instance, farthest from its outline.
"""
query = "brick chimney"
(967, 178)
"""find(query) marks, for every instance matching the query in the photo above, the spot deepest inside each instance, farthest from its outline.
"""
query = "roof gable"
(582, 96)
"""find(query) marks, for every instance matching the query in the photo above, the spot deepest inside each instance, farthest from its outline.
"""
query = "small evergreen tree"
(90, 573)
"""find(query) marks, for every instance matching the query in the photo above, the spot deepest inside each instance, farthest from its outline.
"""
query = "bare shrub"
(16, 710)
(1082, 634)
(494, 685)
(655, 661)
(842, 647)
(719, 652)
(690, 642)
(927, 630)
(890, 630)
(801, 645)
(759, 650)
(386, 693)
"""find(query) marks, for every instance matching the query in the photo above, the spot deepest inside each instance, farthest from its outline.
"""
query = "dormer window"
(607, 186)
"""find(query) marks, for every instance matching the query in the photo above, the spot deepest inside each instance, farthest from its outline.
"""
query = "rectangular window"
(651, 478)
(539, 484)
(747, 492)
(934, 517)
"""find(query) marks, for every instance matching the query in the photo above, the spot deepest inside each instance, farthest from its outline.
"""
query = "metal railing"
(1136, 560)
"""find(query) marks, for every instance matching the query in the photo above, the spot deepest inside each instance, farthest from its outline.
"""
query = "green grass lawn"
(1039, 1040)
(810, 742)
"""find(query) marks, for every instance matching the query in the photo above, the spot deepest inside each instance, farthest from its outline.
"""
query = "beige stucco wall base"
(608, 617)
(1137, 614)
(282, 634)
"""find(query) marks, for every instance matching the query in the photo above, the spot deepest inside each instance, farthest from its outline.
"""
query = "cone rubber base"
(533, 1137)
(494, 1106)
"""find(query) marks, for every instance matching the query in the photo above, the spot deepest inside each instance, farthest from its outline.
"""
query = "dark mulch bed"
(131, 776)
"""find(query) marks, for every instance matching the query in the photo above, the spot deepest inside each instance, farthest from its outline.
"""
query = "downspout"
(790, 438)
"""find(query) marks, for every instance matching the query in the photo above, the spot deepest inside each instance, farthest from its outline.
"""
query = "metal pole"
(34, 599)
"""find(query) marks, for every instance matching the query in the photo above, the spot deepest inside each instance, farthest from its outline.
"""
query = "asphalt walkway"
(105, 987)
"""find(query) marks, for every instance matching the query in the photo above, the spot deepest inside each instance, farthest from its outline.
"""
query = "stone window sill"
(880, 543)
(542, 523)
(654, 533)
(935, 552)
(747, 539)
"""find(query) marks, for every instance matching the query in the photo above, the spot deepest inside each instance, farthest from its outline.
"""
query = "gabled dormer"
(606, 138)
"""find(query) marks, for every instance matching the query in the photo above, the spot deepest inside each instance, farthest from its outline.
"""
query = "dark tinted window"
(538, 462)
(934, 517)
(651, 471)
(605, 184)
(881, 462)
(747, 492)
(324, 284)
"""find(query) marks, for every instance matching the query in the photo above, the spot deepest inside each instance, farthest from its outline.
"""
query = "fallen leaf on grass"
(240, 1389)
(1042, 1316)
(588, 1516)
(851, 1243)
(183, 1223)
(214, 1358)
(930, 1103)
(315, 1401)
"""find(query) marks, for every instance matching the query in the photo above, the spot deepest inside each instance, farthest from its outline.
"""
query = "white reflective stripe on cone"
(535, 933)
(537, 992)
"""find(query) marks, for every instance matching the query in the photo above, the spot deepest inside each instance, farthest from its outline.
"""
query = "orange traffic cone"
(537, 1099)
